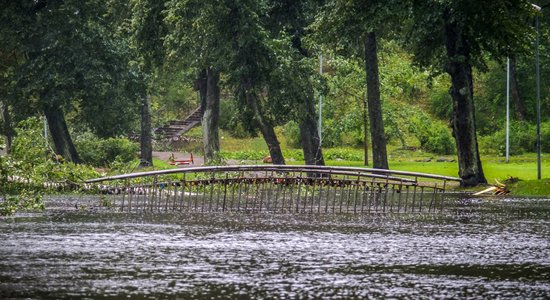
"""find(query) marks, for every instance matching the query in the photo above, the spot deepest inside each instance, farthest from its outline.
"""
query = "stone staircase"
(174, 129)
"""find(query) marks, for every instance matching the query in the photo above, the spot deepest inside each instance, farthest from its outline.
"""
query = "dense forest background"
(104, 74)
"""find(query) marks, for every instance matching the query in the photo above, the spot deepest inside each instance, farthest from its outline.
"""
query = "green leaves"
(499, 28)
(68, 57)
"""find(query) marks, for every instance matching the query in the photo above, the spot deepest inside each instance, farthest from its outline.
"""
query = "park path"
(199, 160)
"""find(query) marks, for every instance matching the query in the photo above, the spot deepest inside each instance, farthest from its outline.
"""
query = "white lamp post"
(508, 110)
(539, 175)
(320, 129)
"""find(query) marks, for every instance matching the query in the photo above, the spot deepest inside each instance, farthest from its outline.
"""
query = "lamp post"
(537, 59)
(320, 129)
(508, 110)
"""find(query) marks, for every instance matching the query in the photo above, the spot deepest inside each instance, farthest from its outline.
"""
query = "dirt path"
(198, 160)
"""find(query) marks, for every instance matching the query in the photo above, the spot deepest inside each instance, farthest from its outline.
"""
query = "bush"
(440, 141)
(523, 138)
(230, 120)
(296, 154)
(291, 131)
(29, 146)
(545, 136)
(332, 132)
(25, 174)
(244, 155)
(102, 152)
(433, 136)
(343, 154)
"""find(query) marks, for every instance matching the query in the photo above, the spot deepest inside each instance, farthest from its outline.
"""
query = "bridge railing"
(275, 189)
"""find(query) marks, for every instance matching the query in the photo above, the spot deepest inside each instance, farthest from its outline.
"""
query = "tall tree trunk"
(7, 126)
(514, 91)
(265, 126)
(462, 92)
(378, 137)
(211, 116)
(365, 133)
(309, 134)
(60, 134)
(146, 137)
(201, 85)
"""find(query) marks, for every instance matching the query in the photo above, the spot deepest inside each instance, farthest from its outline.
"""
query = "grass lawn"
(523, 167)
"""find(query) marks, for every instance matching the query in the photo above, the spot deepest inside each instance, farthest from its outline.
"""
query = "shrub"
(343, 154)
(291, 131)
(23, 174)
(522, 139)
(296, 154)
(244, 155)
(332, 132)
(545, 136)
(29, 146)
(230, 120)
(102, 152)
(439, 141)
(433, 136)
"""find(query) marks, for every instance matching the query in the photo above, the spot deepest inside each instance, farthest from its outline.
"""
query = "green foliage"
(291, 131)
(217, 160)
(523, 138)
(30, 147)
(20, 179)
(433, 136)
(103, 152)
(25, 200)
(63, 56)
(344, 154)
(348, 154)
(172, 95)
(440, 101)
(105, 202)
(32, 168)
(294, 154)
(244, 155)
(487, 33)
(232, 121)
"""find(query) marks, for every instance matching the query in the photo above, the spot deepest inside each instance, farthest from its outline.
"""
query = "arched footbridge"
(278, 189)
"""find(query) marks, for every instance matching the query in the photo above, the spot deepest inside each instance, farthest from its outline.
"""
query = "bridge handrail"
(371, 172)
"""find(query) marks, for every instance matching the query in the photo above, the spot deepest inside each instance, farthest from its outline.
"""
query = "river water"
(476, 248)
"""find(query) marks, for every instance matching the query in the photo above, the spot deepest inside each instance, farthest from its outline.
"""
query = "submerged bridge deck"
(275, 189)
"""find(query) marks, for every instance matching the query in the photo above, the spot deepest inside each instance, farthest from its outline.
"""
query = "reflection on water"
(478, 248)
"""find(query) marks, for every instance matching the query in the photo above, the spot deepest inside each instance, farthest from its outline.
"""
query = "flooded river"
(476, 248)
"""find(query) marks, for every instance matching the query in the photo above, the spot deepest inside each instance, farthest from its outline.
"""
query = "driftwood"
(496, 189)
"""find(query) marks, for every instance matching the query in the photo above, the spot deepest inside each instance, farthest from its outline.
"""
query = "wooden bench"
(177, 162)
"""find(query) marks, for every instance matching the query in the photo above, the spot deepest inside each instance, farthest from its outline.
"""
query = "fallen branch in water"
(497, 189)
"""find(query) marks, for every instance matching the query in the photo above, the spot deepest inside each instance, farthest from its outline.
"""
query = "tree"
(354, 25)
(374, 105)
(148, 29)
(211, 113)
(67, 59)
(226, 37)
(250, 69)
(455, 36)
(6, 128)
(290, 19)
(195, 39)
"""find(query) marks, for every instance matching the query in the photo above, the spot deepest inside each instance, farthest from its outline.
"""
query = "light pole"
(538, 8)
(320, 129)
(508, 110)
